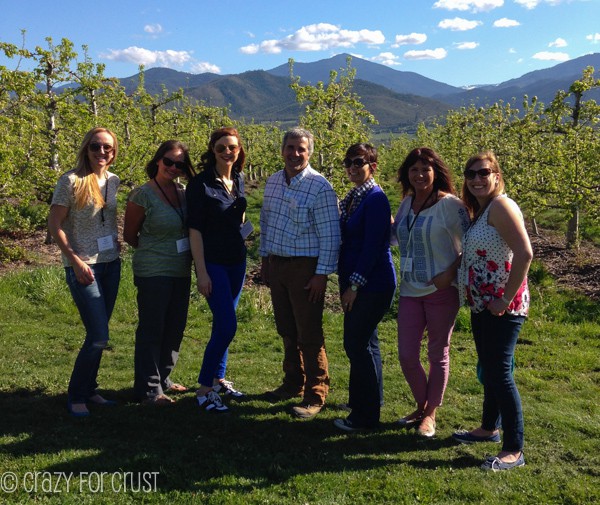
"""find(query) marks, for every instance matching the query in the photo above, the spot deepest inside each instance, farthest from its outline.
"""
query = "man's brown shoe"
(281, 394)
(306, 411)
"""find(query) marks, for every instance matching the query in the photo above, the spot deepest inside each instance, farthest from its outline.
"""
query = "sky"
(458, 42)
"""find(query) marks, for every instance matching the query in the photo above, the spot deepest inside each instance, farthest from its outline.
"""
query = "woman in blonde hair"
(83, 222)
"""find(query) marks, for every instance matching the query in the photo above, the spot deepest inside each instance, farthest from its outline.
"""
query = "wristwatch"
(354, 287)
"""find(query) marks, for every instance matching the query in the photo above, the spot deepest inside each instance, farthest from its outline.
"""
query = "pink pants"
(436, 313)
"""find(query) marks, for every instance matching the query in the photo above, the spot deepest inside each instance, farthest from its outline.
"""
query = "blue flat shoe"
(494, 464)
(83, 413)
(465, 437)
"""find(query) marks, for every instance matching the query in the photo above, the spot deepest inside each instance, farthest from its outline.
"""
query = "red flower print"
(492, 266)
(507, 266)
(482, 253)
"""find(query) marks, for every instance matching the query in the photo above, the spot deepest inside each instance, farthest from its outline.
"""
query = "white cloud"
(411, 38)
(532, 4)
(558, 43)
(467, 45)
(506, 23)
(427, 54)
(468, 5)
(594, 37)
(202, 67)
(153, 29)
(316, 37)
(528, 4)
(386, 58)
(146, 57)
(548, 56)
(512, 50)
(458, 24)
(250, 35)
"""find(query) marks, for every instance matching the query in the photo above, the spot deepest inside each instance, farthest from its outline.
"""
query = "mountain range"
(398, 99)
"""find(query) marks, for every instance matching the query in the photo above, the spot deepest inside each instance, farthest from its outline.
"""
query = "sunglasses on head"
(95, 147)
(484, 173)
(180, 165)
(221, 148)
(357, 162)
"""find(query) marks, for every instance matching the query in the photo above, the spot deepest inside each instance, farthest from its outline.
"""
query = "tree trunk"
(573, 230)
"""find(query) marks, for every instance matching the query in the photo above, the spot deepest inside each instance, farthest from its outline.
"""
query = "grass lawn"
(258, 453)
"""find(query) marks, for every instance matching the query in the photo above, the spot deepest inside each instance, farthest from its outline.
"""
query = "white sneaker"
(226, 388)
(211, 401)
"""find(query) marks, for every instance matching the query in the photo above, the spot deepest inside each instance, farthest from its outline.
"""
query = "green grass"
(258, 453)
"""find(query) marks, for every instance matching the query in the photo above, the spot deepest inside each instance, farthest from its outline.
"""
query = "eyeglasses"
(357, 162)
(221, 148)
(484, 173)
(95, 147)
(180, 165)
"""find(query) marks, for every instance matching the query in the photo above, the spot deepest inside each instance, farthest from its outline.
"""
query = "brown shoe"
(158, 401)
(176, 388)
(427, 427)
(306, 411)
(281, 394)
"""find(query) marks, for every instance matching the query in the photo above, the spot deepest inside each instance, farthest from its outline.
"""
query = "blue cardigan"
(366, 244)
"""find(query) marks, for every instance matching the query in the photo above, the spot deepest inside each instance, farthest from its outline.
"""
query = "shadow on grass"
(256, 444)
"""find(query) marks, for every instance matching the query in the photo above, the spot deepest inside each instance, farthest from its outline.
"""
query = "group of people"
(474, 248)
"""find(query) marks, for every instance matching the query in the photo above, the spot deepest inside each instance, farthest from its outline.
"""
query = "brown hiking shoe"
(306, 411)
(281, 394)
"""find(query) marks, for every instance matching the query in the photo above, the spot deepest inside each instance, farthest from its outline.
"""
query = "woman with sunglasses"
(83, 223)
(216, 211)
(367, 282)
(428, 226)
(493, 281)
(155, 227)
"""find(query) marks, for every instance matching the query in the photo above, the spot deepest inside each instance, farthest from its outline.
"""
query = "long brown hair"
(467, 197)
(209, 160)
(86, 183)
(443, 178)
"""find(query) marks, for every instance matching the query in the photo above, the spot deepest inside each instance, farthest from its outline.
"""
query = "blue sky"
(459, 42)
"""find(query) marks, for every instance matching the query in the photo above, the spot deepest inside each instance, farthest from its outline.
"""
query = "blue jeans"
(227, 282)
(360, 333)
(495, 341)
(162, 315)
(95, 304)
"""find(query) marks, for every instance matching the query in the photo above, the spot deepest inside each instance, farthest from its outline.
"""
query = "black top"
(217, 214)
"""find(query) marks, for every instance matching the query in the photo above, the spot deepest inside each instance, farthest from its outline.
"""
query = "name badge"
(183, 245)
(105, 243)
(406, 264)
(246, 229)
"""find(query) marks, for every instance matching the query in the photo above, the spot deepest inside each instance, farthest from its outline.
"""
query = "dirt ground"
(578, 270)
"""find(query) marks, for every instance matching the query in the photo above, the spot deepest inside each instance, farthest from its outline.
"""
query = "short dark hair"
(164, 148)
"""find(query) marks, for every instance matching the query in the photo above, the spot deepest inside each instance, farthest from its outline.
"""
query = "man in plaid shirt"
(300, 240)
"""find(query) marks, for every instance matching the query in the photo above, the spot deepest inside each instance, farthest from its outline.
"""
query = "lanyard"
(105, 200)
(179, 210)
(409, 226)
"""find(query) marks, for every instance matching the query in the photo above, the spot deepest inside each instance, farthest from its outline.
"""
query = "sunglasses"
(484, 173)
(95, 147)
(221, 148)
(180, 165)
(357, 162)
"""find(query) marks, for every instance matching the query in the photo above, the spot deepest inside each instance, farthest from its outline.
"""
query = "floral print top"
(485, 267)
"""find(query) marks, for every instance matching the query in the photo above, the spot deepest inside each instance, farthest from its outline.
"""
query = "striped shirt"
(301, 219)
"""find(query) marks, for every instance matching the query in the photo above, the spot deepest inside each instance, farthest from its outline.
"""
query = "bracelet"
(508, 302)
